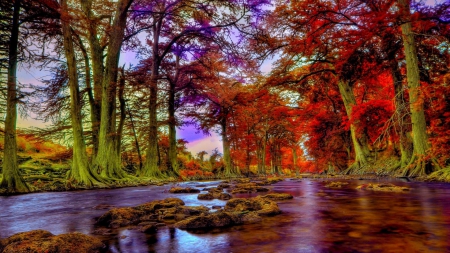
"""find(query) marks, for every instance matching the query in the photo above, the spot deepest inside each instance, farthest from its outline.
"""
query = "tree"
(80, 170)
(12, 180)
(421, 165)
(108, 159)
(170, 30)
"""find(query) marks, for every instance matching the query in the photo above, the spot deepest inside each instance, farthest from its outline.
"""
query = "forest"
(356, 87)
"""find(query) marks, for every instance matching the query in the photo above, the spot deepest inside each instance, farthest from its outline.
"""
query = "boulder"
(261, 205)
(278, 196)
(218, 219)
(183, 190)
(248, 188)
(152, 206)
(223, 185)
(78, 242)
(215, 195)
(336, 184)
(385, 187)
(241, 180)
(273, 180)
(205, 196)
(151, 211)
(223, 196)
(119, 217)
(40, 241)
(214, 190)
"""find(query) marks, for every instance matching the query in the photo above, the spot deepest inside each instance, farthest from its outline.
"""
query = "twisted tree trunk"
(12, 180)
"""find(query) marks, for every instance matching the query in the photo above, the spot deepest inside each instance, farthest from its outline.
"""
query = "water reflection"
(318, 219)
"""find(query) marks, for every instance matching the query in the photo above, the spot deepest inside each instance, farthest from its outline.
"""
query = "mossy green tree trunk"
(294, 161)
(151, 164)
(229, 169)
(402, 119)
(12, 180)
(172, 165)
(80, 172)
(108, 160)
(261, 154)
(96, 53)
(360, 141)
(419, 165)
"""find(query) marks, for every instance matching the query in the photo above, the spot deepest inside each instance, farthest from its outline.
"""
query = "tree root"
(440, 175)
(420, 166)
(14, 184)
(355, 169)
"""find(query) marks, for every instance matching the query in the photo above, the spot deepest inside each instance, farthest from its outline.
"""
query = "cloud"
(208, 144)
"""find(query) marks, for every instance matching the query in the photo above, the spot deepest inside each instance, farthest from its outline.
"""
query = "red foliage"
(371, 117)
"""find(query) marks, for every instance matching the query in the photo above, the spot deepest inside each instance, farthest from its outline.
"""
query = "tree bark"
(360, 144)
(136, 142)
(12, 180)
(97, 70)
(123, 114)
(93, 105)
(294, 157)
(80, 171)
(151, 168)
(421, 166)
(261, 153)
(173, 160)
(229, 171)
(402, 117)
(107, 160)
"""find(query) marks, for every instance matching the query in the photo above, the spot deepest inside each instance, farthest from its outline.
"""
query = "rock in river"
(183, 190)
(41, 241)
(278, 196)
(259, 204)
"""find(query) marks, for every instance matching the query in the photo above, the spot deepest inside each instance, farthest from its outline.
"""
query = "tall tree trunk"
(360, 144)
(123, 113)
(248, 158)
(151, 168)
(261, 153)
(136, 142)
(276, 159)
(259, 158)
(294, 157)
(92, 103)
(421, 166)
(12, 180)
(96, 51)
(173, 161)
(402, 117)
(107, 160)
(80, 171)
(229, 171)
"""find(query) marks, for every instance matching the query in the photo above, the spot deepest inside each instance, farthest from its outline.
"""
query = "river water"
(318, 219)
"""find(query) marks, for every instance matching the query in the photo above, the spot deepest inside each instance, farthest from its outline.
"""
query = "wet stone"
(40, 241)
(278, 196)
(385, 187)
(183, 190)
(261, 205)
(248, 188)
(336, 184)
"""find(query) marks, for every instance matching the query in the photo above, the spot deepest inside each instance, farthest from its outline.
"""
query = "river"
(318, 219)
